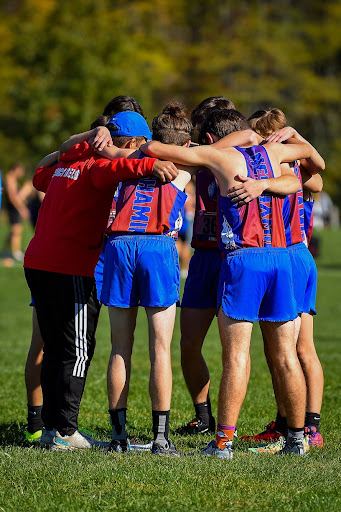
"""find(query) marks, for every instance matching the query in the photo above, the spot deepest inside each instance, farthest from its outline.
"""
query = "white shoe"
(77, 441)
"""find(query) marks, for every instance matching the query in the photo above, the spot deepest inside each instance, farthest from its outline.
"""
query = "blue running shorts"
(304, 275)
(99, 271)
(256, 284)
(140, 270)
(201, 286)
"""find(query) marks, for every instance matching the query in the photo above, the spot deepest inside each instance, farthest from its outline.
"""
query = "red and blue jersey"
(293, 214)
(205, 220)
(258, 223)
(308, 217)
(147, 206)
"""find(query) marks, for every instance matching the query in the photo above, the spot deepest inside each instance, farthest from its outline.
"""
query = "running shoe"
(119, 446)
(221, 453)
(269, 434)
(314, 437)
(140, 447)
(167, 449)
(33, 437)
(197, 426)
(274, 447)
(76, 441)
(47, 436)
(294, 448)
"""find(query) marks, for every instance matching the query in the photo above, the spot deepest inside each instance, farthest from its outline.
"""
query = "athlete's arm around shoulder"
(44, 171)
(100, 135)
(288, 152)
(195, 155)
(313, 164)
(240, 138)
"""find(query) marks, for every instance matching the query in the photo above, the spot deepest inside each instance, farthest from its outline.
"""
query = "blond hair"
(265, 122)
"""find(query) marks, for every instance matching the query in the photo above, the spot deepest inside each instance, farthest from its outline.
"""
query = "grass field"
(38, 480)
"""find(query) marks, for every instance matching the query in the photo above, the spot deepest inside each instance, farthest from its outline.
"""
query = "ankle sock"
(295, 434)
(203, 411)
(161, 426)
(118, 423)
(34, 421)
(224, 433)
(312, 419)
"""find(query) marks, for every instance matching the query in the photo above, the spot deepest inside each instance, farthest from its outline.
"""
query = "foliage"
(63, 61)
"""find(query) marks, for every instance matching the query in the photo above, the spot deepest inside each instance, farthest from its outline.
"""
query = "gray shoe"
(294, 448)
(47, 436)
(166, 449)
(77, 441)
(212, 449)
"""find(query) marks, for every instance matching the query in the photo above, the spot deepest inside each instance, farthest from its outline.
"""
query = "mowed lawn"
(37, 480)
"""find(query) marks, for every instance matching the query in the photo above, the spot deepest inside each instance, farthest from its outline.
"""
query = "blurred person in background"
(16, 209)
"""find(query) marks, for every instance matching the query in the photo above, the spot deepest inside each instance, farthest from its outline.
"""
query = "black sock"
(160, 426)
(281, 424)
(203, 411)
(34, 421)
(118, 423)
(312, 419)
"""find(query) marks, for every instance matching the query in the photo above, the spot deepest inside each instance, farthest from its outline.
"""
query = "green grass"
(37, 480)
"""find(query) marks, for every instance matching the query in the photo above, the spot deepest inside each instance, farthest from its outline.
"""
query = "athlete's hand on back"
(101, 139)
(247, 190)
(165, 171)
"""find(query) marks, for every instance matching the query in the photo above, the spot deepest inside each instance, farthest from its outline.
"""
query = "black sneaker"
(197, 426)
(167, 449)
(119, 446)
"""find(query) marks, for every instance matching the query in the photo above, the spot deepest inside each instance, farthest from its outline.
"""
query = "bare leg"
(235, 339)
(161, 325)
(33, 365)
(15, 238)
(122, 322)
(289, 378)
(194, 325)
(310, 363)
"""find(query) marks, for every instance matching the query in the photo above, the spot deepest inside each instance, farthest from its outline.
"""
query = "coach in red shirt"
(59, 268)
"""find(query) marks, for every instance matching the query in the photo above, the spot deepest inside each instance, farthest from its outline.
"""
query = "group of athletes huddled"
(106, 234)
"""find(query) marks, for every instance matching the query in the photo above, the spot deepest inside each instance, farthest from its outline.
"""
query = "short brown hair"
(201, 111)
(265, 122)
(172, 125)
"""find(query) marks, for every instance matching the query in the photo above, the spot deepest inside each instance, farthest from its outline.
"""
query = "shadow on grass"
(13, 434)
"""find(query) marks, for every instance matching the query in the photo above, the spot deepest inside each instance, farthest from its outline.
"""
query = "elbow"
(252, 138)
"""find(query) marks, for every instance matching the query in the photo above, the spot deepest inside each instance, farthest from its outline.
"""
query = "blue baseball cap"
(129, 124)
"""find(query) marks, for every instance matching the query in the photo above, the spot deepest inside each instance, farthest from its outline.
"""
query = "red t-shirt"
(74, 214)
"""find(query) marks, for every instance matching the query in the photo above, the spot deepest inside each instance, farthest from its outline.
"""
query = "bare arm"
(248, 188)
(49, 159)
(241, 138)
(289, 152)
(101, 138)
(314, 163)
(311, 183)
(196, 155)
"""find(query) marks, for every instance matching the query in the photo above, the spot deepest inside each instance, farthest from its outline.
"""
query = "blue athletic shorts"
(256, 284)
(140, 270)
(201, 286)
(304, 275)
(99, 271)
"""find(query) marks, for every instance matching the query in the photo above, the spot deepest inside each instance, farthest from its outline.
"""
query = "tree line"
(63, 61)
